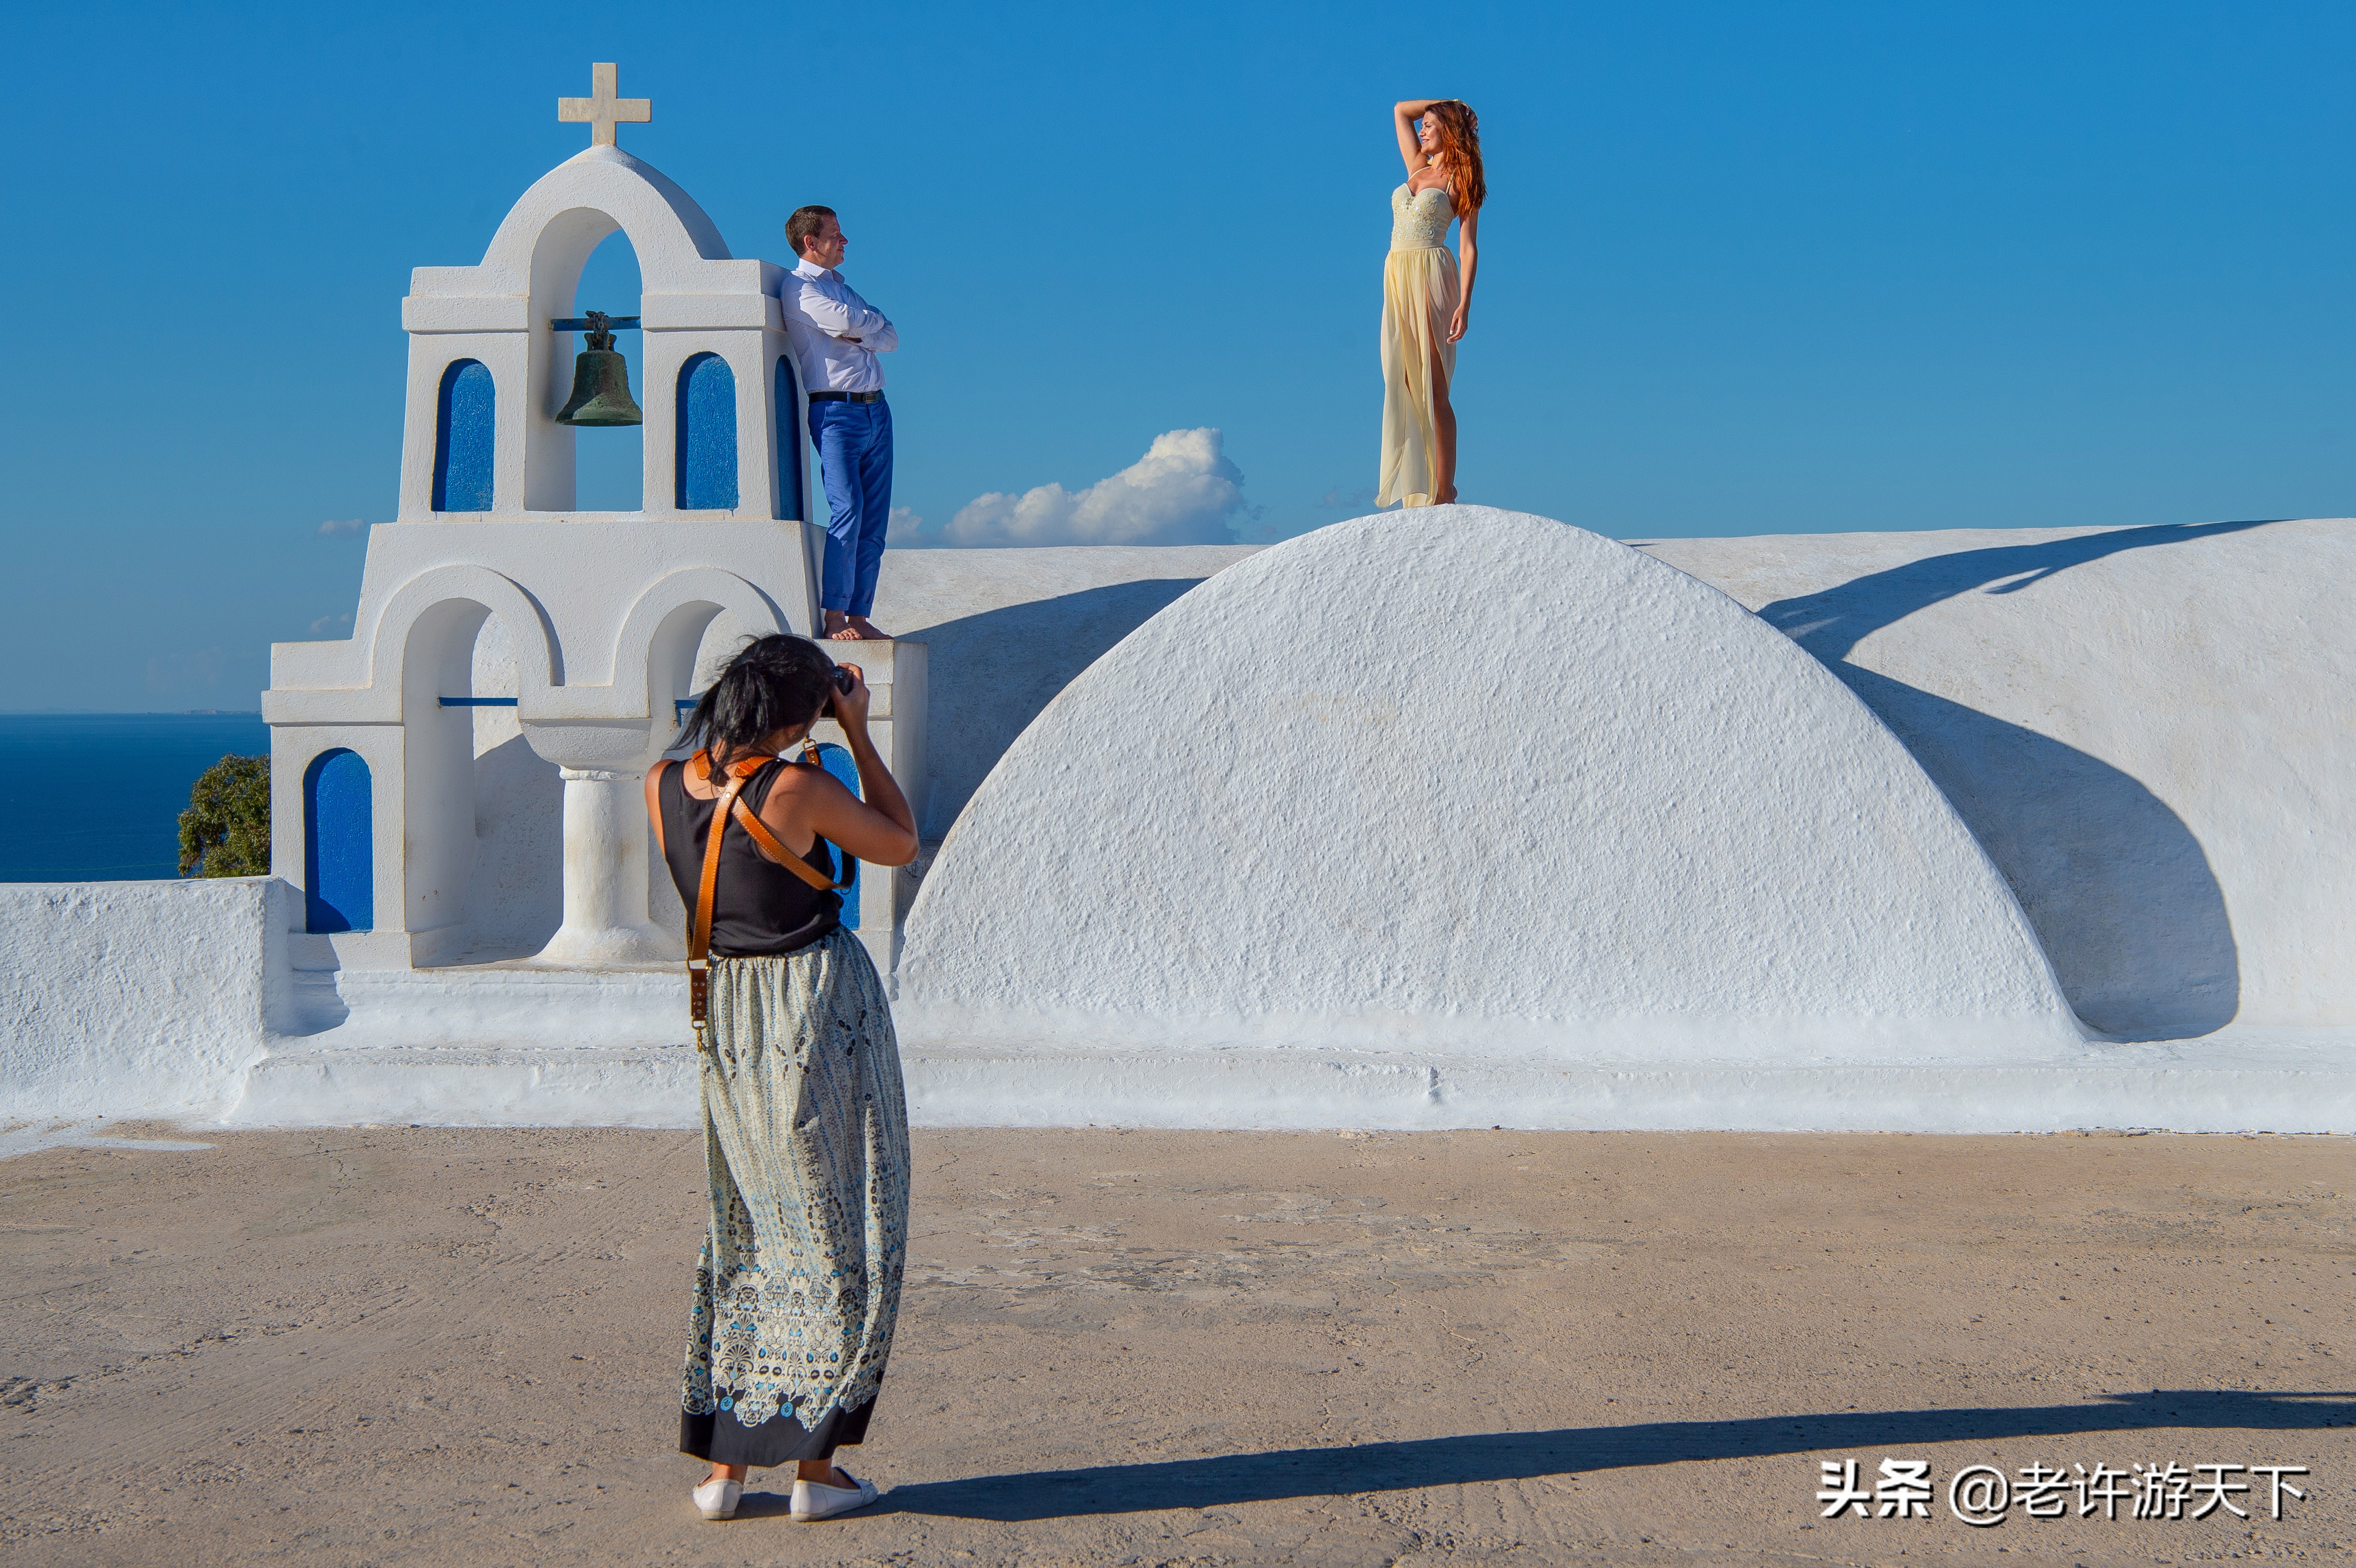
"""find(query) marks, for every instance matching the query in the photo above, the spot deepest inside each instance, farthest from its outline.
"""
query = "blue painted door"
(338, 844)
(836, 760)
(706, 455)
(465, 435)
(789, 442)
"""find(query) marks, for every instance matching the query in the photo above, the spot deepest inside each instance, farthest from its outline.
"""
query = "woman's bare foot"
(1445, 497)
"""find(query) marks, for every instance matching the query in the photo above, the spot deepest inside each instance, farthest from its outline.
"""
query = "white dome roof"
(1475, 781)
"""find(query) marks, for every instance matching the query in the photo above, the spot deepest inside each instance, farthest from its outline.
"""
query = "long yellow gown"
(1420, 293)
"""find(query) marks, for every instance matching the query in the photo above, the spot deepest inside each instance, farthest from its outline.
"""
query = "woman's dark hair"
(773, 683)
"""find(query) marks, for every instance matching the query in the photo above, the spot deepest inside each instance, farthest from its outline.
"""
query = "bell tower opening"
(338, 843)
(609, 462)
(706, 444)
(466, 433)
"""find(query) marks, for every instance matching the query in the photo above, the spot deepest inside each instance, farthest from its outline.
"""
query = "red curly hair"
(1460, 146)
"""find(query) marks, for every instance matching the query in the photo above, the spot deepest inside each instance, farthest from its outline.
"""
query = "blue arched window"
(465, 435)
(789, 442)
(338, 844)
(838, 761)
(706, 453)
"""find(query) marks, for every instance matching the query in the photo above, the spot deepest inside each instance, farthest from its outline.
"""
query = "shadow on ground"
(1524, 1455)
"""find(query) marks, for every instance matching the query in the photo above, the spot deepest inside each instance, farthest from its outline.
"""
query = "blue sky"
(1747, 269)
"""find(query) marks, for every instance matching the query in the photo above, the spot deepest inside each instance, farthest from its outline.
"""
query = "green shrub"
(225, 832)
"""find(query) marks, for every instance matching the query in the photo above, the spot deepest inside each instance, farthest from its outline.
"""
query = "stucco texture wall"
(2150, 729)
(134, 999)
(1008, 629)
(1473, 779)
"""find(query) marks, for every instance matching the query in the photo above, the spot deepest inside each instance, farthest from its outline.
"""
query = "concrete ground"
(405, 1346)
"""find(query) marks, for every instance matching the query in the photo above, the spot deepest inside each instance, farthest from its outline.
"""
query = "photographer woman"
(805, 1131)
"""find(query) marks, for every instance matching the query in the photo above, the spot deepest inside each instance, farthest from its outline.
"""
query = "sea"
(98, 797)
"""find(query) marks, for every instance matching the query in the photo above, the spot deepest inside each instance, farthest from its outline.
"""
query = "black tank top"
(759, 906)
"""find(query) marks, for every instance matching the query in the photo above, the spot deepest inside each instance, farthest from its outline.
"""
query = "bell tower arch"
(697, 301)
(598, 616)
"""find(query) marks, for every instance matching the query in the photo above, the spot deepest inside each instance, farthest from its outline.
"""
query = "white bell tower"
(509, 649)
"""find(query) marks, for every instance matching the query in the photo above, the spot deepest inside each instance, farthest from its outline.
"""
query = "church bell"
(600, 381)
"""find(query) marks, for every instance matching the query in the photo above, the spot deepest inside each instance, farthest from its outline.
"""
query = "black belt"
(846, 396)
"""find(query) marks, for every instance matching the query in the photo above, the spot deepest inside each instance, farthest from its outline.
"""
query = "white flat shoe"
(718, 1499)
(816, 1500)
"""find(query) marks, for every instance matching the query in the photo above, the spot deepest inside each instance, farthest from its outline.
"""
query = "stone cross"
(603, 110)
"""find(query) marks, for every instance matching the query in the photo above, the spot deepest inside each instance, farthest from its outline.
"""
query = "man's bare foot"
(865, 629)
(838, 628)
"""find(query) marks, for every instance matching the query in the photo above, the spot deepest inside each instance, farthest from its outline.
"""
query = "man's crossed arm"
(868, 328)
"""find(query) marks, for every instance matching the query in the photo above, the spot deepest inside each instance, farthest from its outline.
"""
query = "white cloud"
(1182, 491)
(328, 623)
(902, 525)
(334, 526)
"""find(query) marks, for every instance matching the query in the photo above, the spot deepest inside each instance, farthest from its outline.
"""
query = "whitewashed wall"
(1492, 786)
(136, 998)
(2145, 729)
(2152, 730)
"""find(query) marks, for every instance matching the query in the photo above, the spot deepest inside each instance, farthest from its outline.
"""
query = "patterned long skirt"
(806, 1142)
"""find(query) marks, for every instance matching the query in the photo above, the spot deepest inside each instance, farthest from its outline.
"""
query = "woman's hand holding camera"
(874, 824)
(847, 706)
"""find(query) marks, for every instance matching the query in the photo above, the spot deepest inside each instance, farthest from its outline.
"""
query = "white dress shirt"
(823, 316)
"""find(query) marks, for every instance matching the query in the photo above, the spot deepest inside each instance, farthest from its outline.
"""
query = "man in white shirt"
(836, 336)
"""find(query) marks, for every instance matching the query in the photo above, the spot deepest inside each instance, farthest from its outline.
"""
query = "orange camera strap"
(729, 808)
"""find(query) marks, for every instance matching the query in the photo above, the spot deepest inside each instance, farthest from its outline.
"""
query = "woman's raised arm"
(879, 829)
(1404, 114)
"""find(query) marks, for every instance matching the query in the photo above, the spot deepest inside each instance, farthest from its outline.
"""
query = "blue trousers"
(854, 459)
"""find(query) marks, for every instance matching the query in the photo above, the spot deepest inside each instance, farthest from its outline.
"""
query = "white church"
(506, 641)
(1983, 830)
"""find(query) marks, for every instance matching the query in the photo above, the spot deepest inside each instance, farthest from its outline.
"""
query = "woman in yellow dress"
(1425, 299)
